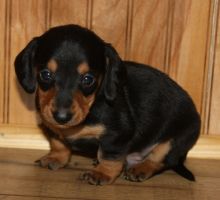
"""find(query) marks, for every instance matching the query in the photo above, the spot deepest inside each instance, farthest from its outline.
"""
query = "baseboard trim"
(17, 136)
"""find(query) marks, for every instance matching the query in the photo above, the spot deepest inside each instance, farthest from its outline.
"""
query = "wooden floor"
(20, 179)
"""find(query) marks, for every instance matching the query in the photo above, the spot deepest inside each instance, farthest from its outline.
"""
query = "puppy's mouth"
(60, 119)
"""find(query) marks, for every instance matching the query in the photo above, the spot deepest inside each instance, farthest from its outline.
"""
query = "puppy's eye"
(46, 76)
(88, 80)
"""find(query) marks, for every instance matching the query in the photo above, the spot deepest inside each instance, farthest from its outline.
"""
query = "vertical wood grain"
(109, 20)
(27, 21)
(2, 55)
(149, 31)
(68, 12)
(172, 35)
(188, 48)
(210, 65)
(214, 123)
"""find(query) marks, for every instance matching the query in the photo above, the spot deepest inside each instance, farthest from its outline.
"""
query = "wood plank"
(22, 137)
(68, 12)
(149, 32)
(19, 176)
(109, 22)
(214, 125)
(188, 48)
(207, 147)
(27, 21)
(9, 197)
(2, 56)
(210, 64)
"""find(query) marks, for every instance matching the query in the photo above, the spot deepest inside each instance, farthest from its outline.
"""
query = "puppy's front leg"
(105, 172)
(58, 157)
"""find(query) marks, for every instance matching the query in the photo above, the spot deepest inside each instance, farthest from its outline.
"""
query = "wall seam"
(209, 66)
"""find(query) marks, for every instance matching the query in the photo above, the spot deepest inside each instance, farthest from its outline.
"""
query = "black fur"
(138, 105)
(24, 67)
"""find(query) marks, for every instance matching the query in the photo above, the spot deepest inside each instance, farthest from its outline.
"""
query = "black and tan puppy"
(132, 116)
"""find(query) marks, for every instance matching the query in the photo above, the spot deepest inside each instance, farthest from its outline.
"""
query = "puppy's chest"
(80, 132)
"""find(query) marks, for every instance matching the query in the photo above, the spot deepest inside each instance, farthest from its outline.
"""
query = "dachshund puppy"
(134, 118)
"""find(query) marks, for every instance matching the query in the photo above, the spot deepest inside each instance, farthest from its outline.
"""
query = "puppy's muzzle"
(62, 116)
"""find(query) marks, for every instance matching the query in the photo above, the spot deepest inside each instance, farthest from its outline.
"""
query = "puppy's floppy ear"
(24, 66)
(115, 73)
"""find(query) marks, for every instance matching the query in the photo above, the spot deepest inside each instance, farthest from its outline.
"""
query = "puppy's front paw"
(52, 162)
(104, 173)
(96, 178)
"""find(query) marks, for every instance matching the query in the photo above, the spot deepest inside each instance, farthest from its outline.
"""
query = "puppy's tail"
(184, 172)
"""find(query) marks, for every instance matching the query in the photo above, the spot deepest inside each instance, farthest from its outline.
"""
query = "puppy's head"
(68, 66)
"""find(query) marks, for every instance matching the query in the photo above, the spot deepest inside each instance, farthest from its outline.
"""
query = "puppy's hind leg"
(151, 165)
(181, 144)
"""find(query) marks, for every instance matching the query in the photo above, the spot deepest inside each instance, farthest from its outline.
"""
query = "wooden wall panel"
(27, 20)
(2, 56)
(172, 35)
(68, 12)
(149, 32)
(188, 45)
(109, 21)
(210, 65)
(214, 122)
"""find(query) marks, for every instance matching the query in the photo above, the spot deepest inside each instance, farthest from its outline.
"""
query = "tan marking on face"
(46, 98)
(46, 104)
(52, 65)
(83, 68)
(81, 106)
(159, 152)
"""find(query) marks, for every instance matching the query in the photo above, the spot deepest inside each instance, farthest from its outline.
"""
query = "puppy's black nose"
(62, 117)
